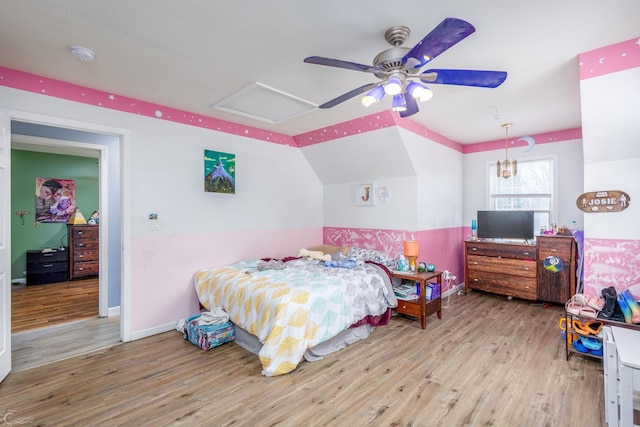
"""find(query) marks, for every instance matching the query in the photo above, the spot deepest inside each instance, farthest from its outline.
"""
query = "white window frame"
(553, 214)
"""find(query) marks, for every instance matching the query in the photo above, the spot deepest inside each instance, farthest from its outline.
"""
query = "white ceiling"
(191, 54)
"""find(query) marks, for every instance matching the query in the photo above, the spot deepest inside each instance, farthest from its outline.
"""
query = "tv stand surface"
(515, 269)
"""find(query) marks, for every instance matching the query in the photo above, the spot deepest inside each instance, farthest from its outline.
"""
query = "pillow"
(330, 249)
(372, 255)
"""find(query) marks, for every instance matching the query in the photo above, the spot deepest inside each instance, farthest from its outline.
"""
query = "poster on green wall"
(55, 199)
(219, 172)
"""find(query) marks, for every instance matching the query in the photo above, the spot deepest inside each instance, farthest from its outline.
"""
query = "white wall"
(569, 179)
(439, 171)
(611, 130)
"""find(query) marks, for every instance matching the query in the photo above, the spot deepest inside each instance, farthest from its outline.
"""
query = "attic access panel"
(266, 104)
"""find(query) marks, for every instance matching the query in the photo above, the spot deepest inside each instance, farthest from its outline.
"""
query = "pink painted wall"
(163, 278)
(612, 262)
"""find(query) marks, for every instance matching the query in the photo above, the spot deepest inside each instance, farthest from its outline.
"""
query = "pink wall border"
(59, 89)
(71, 92)
(610, 59)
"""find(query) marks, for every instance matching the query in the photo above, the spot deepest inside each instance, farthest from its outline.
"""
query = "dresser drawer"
(47, 267)
(503, 250)
(410, 308)
(554, 246)
(84, 255)
(38, 256)
(511, 266)
(81, 269)
(85, 245)
(503, 284)
(85, 232)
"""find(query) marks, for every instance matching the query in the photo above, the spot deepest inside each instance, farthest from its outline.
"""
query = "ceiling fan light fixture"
(419, 91)
(393, 86)
(399, 104)
(375, 95)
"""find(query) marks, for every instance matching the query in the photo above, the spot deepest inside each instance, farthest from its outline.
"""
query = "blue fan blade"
(348, 95)
(341, 64)
(449, 32)
(464, 77)
(412, 106)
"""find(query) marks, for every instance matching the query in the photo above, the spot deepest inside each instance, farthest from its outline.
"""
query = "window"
(531, 189)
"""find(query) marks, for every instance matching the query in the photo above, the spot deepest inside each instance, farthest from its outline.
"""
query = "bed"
(299, 308)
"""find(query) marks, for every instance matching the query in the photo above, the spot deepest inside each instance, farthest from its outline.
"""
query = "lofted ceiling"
(192, 54)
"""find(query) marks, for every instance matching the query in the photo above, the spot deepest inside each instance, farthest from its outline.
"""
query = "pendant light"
(506, 168)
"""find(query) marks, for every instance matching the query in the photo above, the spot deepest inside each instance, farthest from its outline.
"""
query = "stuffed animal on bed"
(314, 255)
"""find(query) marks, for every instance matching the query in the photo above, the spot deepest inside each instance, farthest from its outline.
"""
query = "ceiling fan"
(398, 68)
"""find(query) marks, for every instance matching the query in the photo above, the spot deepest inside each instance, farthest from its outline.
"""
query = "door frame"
(69, 147)
(125, 224)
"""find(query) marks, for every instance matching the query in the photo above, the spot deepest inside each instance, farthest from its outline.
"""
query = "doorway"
(52, 137)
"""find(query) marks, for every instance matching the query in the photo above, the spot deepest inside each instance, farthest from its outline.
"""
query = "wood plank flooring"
(39, 306)
(58, 320)
(488, 362)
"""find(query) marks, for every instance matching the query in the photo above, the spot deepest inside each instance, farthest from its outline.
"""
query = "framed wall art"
(55, 199)
(219, 172)
(366, 194)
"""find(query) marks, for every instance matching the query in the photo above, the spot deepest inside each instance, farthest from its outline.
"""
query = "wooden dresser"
(501, 268)
(557, 287)
(517, 270)
(84, 253)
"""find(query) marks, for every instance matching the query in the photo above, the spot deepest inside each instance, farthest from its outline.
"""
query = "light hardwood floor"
(58, 320)
(39, 306)
(488, 362)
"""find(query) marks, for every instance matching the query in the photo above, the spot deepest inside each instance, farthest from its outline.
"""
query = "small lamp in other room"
(77, 218)
(411, 251)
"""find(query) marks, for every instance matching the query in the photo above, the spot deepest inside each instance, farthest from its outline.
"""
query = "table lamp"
(411, 252)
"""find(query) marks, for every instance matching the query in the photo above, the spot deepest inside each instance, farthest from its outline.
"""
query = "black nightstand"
(47, 267)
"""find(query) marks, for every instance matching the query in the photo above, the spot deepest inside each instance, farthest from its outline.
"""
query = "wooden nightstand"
(421, 307)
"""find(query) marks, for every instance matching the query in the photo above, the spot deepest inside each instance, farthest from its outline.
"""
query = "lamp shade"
(374, 95)
(411, 248)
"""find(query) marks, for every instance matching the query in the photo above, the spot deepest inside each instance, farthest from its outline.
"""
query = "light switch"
(152, 223)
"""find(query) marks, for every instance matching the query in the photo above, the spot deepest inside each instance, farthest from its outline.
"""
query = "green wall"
(26, 166)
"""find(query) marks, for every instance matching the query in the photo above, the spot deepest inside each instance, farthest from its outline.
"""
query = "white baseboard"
(19, 281)
(113, 311)
(153, 331)
(454, 290)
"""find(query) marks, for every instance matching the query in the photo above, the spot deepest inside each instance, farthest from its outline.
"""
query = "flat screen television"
(505, 225)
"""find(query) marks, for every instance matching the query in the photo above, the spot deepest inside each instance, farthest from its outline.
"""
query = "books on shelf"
(406, 292)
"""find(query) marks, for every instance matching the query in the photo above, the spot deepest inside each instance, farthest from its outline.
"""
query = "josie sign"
(603, 201)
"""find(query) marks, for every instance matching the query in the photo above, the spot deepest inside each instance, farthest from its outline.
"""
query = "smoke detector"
(82, 53)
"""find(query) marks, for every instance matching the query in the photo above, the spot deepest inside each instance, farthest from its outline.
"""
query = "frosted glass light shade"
(393, 86)
(374, 95)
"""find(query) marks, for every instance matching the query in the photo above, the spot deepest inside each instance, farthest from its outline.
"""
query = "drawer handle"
(554, 250)
(526, 269)
(476, 280)
(526, 253)
(81, 268)
(80, 255)
(474, 249)
(475, 263)
(80, 244)
(80, 232)
(47, 265)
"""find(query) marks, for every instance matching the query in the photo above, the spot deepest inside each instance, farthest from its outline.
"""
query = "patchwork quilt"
(292, 309)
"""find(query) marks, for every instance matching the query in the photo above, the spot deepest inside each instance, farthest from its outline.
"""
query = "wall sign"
(603, 201)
